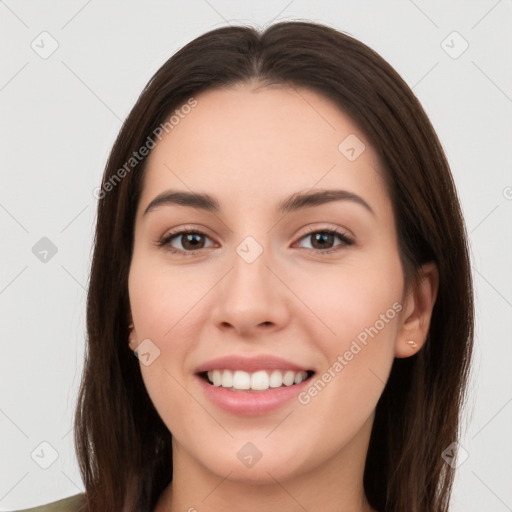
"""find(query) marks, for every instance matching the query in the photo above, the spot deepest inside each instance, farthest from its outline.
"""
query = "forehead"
(260, 143)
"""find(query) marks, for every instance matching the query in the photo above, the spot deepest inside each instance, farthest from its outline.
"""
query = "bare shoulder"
(71, 504)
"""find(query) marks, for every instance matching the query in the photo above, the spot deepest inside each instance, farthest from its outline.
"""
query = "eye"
(322, 240)
(192, 241)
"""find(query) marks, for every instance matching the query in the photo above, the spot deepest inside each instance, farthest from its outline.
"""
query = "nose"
(251, 299)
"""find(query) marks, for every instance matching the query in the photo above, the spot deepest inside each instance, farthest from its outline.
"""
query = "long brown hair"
(123, 446)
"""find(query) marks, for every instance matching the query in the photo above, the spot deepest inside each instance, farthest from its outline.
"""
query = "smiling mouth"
(261, 380)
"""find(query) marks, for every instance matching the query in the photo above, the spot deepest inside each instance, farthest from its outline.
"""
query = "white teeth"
(227, 379)
(288, 378)
(217, 378)
(298, 378)
(241, 380)
(276, 379)
(257, 381)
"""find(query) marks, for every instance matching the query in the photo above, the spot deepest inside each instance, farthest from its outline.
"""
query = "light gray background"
(60, 116)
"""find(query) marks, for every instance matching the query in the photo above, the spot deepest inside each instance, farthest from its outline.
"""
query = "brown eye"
(193, 241)
(322, 240)
(190, 241)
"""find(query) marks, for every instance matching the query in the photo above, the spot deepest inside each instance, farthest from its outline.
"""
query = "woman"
(270, 374)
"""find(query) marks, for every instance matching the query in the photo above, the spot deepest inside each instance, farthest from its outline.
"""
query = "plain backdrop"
(71, 71)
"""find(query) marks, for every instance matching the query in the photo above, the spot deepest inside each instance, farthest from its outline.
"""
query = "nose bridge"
(250, 293)
(250, 276)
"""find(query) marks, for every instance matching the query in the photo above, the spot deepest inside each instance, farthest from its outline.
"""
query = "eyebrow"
(295, 202)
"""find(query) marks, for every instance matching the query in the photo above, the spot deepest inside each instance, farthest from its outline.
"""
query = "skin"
(250, 147)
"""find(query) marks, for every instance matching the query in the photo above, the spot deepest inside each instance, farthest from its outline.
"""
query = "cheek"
(159, 302)
(162, 297)
(166, 305)
(355, 325)
(348, 299)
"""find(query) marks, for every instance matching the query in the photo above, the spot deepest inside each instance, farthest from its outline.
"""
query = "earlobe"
(420, 303)
(132, 337)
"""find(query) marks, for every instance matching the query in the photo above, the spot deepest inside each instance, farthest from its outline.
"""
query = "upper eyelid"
(311, 229)
(340, 232)
(327, 227)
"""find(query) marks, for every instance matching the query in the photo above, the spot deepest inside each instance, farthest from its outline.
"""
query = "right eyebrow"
(183, 198)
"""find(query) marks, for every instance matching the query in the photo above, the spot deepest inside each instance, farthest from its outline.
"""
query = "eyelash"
(165, 242)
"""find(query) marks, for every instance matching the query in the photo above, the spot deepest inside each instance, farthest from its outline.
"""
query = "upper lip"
(250, 364)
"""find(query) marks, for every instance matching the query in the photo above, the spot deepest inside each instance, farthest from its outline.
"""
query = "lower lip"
(253, 402)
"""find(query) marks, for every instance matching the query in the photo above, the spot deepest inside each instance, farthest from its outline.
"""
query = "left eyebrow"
(295, 202)
(300, 201)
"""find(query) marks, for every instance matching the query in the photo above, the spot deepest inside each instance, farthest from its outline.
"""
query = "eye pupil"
(321, 237)
(189, 238)
(193, 241)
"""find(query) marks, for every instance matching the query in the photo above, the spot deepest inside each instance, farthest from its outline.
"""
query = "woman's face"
(263, 293)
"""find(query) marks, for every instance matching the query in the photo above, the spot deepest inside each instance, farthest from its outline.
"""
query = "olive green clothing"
(71, 504)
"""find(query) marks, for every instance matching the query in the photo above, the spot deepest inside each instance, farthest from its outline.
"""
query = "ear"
(132, 334)
(417, 312)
